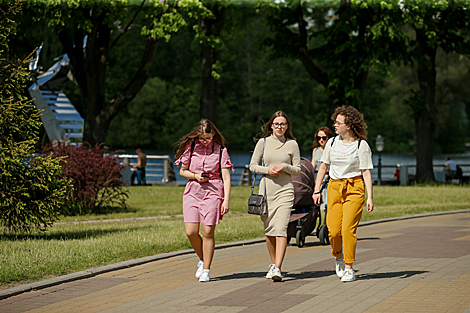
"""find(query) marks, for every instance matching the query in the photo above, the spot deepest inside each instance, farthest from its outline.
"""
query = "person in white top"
(349, 159)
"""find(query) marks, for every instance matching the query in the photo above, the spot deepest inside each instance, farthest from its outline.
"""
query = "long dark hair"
(204, 126)
(353, 119)
(268, 131)
(327, 132)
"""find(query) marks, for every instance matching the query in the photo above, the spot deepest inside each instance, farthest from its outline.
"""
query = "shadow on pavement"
(303, 275)
(368, 238)
(402, 274)
(240, 276)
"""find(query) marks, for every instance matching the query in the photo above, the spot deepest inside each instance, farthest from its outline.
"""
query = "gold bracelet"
(194, 175)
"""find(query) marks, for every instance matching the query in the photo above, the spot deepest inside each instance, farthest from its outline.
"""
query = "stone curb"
(392, 219)
(126, 264)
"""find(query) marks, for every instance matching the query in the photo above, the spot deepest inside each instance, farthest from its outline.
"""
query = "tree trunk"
(424, 117)
(210, 55)
(89, 70)
(209, 85)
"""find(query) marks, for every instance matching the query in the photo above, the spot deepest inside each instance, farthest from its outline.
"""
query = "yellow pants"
(346, 199)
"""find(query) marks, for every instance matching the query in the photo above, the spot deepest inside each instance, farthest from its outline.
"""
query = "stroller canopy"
(304, 183)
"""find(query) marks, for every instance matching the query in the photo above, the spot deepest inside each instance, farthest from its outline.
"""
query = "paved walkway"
(410, 265)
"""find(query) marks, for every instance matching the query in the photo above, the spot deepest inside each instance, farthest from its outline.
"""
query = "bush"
(31, 192)
(95, 175)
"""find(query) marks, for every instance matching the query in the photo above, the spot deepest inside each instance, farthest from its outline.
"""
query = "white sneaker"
(276, 274)
(349, 275)
(339, 268)
(205, 276)
(200, 267)
(269, 275)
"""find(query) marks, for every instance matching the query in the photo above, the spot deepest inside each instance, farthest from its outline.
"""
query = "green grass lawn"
(70, 247)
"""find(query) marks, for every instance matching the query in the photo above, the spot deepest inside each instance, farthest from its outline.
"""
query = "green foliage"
(151, 119)
(31, 192)
(58, 12)
(256, 80)
(252, 86)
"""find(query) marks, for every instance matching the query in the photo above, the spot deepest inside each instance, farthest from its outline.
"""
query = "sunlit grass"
(410, 200)
(160, 201)
(68, 248)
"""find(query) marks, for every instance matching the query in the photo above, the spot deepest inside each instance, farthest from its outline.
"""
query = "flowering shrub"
(95, 175)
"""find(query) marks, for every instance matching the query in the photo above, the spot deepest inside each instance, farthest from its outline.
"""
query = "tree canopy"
(304, 57)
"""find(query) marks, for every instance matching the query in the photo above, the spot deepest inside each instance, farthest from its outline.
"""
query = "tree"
(337, 45)
(88, 31)
(210, 28)
(436, 24)
(31, 192)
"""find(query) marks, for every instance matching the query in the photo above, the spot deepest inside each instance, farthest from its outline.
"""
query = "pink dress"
(202, 201)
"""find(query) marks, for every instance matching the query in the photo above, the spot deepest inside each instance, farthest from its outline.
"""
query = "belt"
(346, 181)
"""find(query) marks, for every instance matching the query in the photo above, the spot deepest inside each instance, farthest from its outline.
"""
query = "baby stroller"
(305, 215)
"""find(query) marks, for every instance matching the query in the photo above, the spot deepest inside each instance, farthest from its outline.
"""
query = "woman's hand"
(201, 179)
(275, 170)
(370, 205)
(224, 208)
(316, 198)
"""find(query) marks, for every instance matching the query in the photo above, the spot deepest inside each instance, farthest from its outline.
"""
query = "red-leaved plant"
(96, 177)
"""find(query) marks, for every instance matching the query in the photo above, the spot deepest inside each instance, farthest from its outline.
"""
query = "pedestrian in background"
(450, 169)
(139, 171)
(206, 163)
(350, 160)
(280, 154)
(321, 137)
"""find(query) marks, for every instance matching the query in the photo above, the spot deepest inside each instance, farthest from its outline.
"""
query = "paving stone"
(411, 265)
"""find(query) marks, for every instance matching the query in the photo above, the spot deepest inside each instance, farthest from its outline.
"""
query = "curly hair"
(354, 119)
(327, 132)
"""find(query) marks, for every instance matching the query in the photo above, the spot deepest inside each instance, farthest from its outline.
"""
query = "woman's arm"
(256, 157)
(184, 172)
(320, 175)
(295, 168)
(227, 188)
(368, 182)
(313, 159)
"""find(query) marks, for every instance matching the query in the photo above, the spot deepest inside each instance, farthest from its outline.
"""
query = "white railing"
(159, 168)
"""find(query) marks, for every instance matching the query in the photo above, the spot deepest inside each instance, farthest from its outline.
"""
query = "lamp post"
(379, 144)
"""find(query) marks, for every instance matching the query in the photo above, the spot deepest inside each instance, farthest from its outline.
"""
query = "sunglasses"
(321, 137)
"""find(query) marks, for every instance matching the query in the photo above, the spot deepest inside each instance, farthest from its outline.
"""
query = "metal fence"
(159, 169)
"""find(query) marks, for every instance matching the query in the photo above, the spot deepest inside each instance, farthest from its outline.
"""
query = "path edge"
(134, 262)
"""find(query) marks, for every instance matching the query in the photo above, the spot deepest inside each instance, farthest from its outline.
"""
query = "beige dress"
(279, 189)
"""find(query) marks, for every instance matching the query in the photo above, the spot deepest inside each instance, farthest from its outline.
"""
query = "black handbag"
(257, 203)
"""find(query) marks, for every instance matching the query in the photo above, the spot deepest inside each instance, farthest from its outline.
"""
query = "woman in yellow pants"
(350, 160)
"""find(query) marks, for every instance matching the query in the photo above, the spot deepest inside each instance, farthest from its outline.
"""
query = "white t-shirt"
(345, 160)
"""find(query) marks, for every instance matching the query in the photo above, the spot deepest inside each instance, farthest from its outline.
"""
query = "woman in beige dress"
(281, 160)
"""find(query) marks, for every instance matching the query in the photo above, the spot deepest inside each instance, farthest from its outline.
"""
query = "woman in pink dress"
(206, 163)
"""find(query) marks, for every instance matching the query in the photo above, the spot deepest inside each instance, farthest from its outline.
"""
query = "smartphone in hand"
(205, 175)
